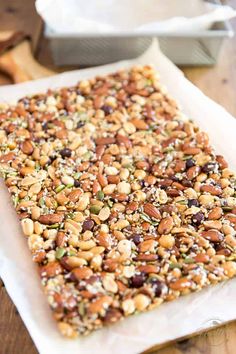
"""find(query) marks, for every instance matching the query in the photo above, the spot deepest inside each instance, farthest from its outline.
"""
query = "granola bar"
(122, 200)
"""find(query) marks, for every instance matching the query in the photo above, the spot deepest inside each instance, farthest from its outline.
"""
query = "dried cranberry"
(80, 124)
(93, 279)
(190, 163)
(142, 183)
(45, 125)
(136, 238)
(218, 246)
(175, 179)
(209, 167)
(193, 202)
(65, 152)
(194, 248)
(107, 109)
(186, 183)
(198, 218)
(76, 183)
(137, 280)
(111, 316)
(88, 225)
(158, 286)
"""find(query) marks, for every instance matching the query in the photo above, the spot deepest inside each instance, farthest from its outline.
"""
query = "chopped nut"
(167, 241)
(67, 180)
(124, 187)
(86, 245)
(28, 226)
(110, 284)
(83, 202)
(124, 246)
(141, 302)
(82, 273)
(104, 213)
(128, 306)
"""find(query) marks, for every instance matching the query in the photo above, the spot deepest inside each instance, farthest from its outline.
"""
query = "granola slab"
(122, 200)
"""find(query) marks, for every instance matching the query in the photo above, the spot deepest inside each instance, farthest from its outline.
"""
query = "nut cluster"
(123, 201)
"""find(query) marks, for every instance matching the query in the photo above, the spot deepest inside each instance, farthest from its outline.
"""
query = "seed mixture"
(122, 200)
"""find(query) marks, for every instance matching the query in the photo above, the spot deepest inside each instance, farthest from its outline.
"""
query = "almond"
(104, 239)
(74, 195)
(7, 157)
(105, 141)
(181, 284)
(151, 211)
(51, 269)
(27, 147)
(192, 151)
(120, 197)
(180, 166)
(166, 225)
(221, 161)
(72, 262)
(147, 245)
(146, 257)
(100, 151)
(123, 140)
(100, 304)
(231, 218)
(148, 268)
(193, 172)
(50, 219)
(61, 134)
(82, 273)
(26, 170)
(61, 239)
(131, 207)
(102, 180)
(39, 255)
(213, 235)
(139, 124)
(109, 284)
(110, 265)
(211, 189)
(113, 179)
(172, 192)
(202, 258)
(212, 224)
(202, 138)
(215, 213)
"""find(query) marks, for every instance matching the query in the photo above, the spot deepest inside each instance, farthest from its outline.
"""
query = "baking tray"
(195, 48)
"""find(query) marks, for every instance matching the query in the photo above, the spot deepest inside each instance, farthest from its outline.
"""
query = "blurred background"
(60, 35)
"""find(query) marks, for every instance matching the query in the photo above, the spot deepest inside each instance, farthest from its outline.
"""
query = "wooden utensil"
(16, 58)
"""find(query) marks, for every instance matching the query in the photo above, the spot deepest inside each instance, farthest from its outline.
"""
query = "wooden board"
(19, 15)
(217, 82)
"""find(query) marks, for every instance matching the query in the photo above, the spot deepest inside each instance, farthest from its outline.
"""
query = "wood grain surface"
(219, 83)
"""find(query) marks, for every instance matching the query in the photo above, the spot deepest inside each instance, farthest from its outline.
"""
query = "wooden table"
(217, 82)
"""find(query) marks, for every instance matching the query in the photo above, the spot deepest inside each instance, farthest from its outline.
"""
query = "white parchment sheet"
(112, 16)
(172, 320)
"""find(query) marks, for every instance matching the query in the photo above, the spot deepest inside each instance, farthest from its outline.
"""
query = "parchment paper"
(112, 16)
(175, 319)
